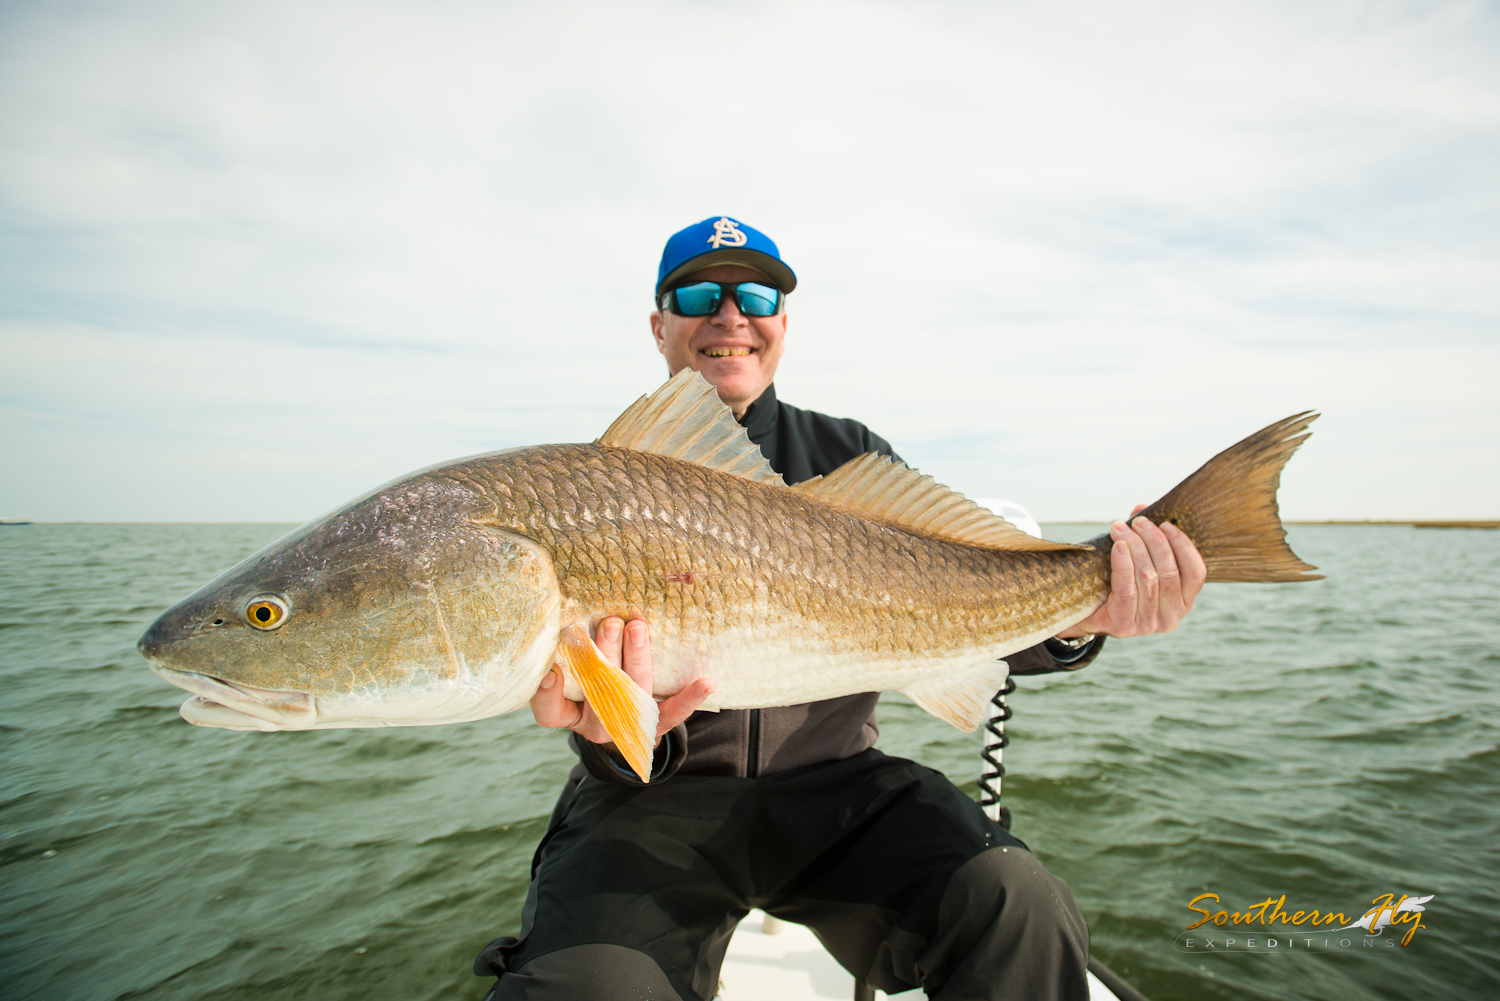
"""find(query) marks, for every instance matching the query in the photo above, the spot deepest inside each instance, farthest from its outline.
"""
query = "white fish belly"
(752, 671)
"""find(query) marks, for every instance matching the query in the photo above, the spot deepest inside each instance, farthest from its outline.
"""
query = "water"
(1329, 741)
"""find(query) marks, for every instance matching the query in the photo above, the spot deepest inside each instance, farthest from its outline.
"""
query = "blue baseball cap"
(721, 240)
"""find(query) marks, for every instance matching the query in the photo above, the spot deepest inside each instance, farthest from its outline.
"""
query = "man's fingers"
(1121, 564)
(608, 637)
(1169, 602)
(1190, 564)
(1147, 592)
(682, 705)
(1118, 613)
(637, 652)
(1160, 550)
(1130, 613)
(589, 728)
(551, 708)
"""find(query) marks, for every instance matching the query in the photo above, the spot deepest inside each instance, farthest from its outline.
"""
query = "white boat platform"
(768, 958)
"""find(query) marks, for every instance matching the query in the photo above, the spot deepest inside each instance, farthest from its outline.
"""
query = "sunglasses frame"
(669, 298)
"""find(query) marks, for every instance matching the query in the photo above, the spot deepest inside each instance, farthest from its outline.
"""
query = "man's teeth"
(726, 352)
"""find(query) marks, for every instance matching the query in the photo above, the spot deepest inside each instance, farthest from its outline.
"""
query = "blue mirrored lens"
(756, 299)
(700, 299)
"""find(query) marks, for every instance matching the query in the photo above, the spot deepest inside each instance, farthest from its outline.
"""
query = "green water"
(1329, 741)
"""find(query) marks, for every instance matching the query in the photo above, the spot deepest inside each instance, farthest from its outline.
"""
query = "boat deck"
(789, 964)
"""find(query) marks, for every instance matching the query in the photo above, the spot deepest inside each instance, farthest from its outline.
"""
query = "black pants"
(636, 891)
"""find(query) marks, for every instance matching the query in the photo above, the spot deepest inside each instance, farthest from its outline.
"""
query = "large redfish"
(447, 595)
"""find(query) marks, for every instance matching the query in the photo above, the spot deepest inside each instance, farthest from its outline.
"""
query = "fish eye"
(266, 612)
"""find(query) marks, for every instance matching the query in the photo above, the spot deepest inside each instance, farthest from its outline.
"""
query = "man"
(637, 888)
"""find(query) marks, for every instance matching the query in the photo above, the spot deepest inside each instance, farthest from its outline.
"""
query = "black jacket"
(799, 444)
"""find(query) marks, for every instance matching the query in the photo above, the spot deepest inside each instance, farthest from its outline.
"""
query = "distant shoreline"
(1413, 524)
(1471, 523)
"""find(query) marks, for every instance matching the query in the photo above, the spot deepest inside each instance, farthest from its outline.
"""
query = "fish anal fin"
(962, 700)
(627, 712)
(877, 486)
(685, 419)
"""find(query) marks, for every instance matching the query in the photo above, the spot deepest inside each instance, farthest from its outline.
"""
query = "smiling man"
(733, 340)
(637, 888)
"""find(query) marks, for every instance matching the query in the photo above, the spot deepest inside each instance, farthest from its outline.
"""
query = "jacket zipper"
(752, 757)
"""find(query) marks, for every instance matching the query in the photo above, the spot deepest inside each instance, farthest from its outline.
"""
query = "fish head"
(408, 607)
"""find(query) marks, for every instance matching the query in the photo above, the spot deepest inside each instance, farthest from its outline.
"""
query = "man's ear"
(658, 331)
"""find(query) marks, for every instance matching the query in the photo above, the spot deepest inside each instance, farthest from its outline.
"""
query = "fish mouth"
(221, 703)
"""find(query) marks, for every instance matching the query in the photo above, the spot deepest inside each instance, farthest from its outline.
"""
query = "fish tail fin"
(1228, 507)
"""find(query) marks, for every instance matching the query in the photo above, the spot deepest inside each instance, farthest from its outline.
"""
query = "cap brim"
(781, 275)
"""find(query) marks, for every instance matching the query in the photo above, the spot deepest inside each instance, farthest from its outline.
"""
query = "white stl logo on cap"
(727, 234)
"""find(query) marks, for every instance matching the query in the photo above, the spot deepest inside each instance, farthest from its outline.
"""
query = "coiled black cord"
(995, 742)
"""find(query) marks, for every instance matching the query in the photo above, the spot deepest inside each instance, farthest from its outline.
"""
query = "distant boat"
(15, 521)
(1013, 513)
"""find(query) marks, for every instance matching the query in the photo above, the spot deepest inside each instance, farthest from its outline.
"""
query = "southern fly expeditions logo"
(727, 233)
(1394, 920)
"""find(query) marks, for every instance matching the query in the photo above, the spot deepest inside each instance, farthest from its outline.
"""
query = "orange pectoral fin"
(627, 712)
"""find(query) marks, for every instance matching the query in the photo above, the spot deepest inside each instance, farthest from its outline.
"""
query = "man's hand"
(626, 645)
(1155, 575)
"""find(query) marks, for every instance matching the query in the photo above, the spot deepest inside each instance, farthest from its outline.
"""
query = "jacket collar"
(760, 417)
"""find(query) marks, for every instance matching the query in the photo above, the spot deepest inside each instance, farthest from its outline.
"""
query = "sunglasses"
(703, 298)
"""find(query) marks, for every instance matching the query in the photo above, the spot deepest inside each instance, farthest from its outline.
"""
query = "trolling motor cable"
(995, 742)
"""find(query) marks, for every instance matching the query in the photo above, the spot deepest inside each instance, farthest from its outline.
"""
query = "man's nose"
(729, 312)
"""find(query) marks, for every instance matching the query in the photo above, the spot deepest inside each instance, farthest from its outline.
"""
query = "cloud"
(255, 260)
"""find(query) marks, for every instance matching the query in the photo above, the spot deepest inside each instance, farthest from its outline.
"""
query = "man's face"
(735, 352)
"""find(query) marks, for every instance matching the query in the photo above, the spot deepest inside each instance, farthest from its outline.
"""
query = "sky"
(256, 259)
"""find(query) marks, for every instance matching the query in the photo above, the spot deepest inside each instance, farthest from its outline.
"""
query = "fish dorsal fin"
(685, 419)
(877, 486)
